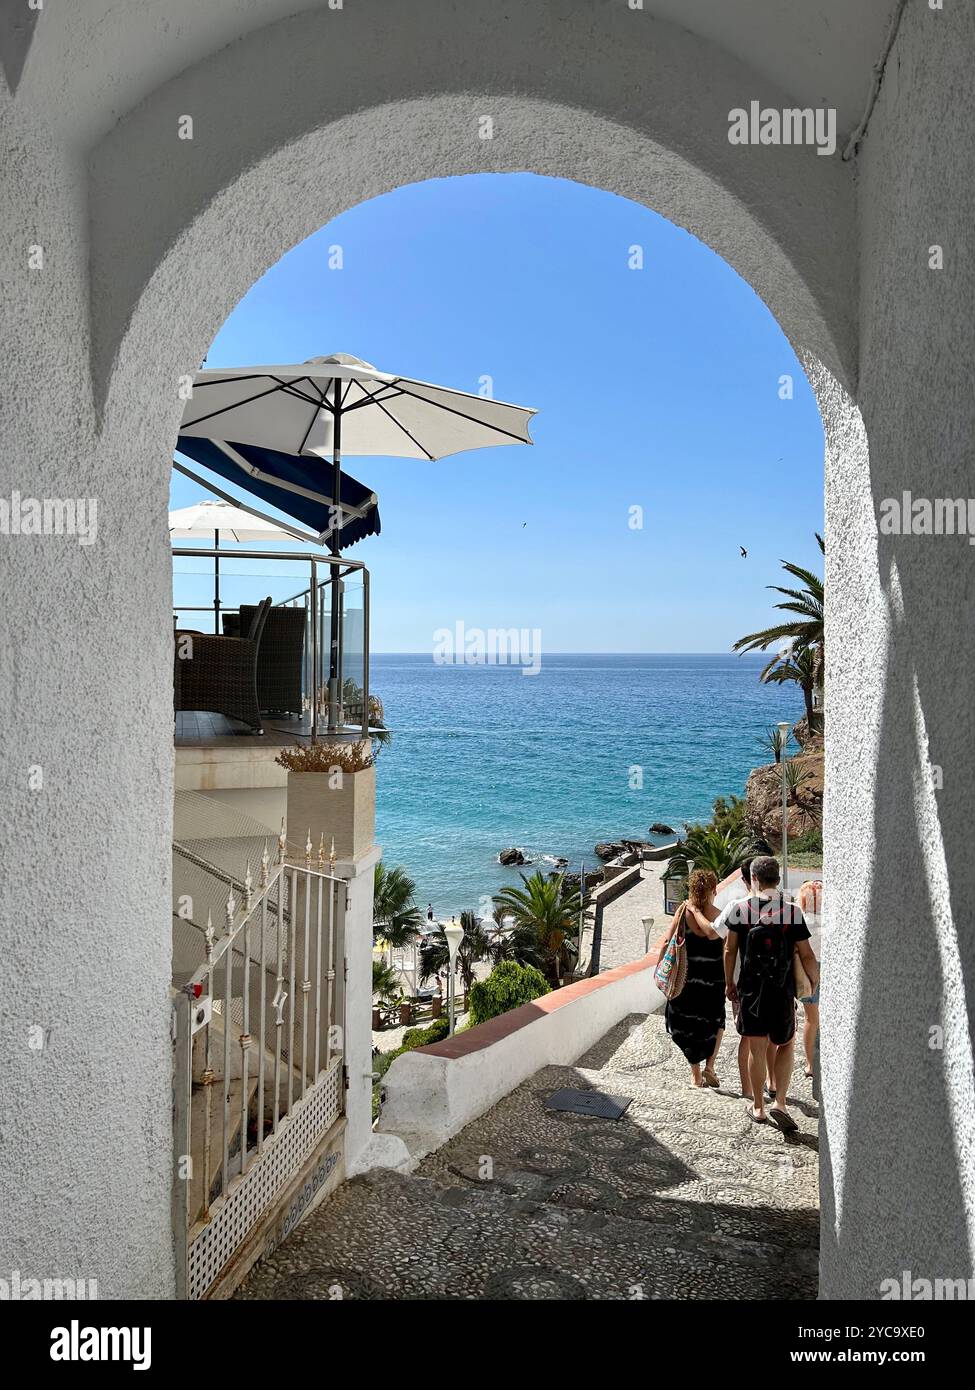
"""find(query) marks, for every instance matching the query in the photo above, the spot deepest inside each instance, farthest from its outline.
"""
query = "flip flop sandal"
(755, 1119)
(711, 1080)
(782, 1120)
(770, 1093)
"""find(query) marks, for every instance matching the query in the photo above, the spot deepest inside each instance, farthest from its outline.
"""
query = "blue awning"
(297, 485)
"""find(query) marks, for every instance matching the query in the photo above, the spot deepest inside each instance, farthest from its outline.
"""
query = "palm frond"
(811, 580)
(761, 640)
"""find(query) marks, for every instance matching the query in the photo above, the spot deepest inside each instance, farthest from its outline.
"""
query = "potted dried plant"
(332, 796)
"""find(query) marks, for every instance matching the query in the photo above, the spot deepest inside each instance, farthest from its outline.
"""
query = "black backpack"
(768, 950)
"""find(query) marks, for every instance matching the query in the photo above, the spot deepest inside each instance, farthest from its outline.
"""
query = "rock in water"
(658, 828)
(609, 850)
(510, 857)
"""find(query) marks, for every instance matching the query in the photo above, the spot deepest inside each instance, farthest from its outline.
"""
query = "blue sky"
(656, 388)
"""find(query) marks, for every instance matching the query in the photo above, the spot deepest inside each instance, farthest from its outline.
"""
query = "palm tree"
(386, 984)
(475, 946)
(796, 777)
(802, 666)
(551, 911)
(804, 630)
(395, 915)
(775, 741)
(721, 851)
(511, 940)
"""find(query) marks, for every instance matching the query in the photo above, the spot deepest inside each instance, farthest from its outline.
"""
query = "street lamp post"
(784, 729)
(582, 910)
(454, 935)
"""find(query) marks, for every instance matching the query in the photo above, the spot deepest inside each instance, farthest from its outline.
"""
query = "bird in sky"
(744, 552)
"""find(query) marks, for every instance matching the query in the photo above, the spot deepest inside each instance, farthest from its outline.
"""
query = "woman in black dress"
(695, 1019)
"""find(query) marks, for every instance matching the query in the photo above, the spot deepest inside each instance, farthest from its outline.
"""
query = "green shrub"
(728, 814)
(809, 842)
(508, 985)
(422, 1037)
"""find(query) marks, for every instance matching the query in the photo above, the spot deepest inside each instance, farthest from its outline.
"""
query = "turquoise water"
(483, 757)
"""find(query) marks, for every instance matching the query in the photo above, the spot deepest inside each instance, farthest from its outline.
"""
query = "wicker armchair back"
(219, 674)
(281, 657)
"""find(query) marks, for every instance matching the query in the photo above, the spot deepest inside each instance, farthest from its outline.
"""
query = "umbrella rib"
(464, 416)
(288, 387)
(401, 426)
(234, 406)
(304, 441)
(377, 399)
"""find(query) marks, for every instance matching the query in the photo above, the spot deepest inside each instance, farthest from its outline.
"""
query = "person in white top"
(741, 890)
(810, 902)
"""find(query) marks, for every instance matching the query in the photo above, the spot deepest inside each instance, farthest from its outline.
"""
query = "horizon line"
(404, 652)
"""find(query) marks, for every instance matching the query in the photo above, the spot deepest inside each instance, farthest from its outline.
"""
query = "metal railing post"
(336, 716)
(365, 654)
(314, 650)
(182, 1150)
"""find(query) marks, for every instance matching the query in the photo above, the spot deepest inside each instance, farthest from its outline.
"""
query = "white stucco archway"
(271, 206)
(151, 241)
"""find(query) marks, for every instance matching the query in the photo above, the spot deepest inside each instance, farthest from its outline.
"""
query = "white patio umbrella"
(213, 519)
(339, 403)
(222, 518)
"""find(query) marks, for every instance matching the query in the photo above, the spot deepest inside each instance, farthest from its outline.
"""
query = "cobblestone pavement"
(682, 1198)
(623, 938)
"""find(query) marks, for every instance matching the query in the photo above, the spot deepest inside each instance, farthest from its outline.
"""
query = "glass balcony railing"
(320, 665)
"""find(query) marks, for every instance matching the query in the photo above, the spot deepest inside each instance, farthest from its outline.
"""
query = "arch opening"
(818, 374)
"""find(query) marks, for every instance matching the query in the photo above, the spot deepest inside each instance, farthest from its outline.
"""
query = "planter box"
(345, 813)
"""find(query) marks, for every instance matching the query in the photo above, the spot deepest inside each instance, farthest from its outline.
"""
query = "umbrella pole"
(216, 583)
(334, 673)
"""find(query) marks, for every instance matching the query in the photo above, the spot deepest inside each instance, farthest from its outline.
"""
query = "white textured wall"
(430, 1098)
(899, 1176)
(84, 1122)
(150, 241)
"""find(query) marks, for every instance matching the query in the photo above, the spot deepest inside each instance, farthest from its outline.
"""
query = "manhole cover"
(596, 1103)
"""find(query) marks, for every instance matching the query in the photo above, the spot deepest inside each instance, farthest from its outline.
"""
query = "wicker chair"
(281, 658)
(220, 673)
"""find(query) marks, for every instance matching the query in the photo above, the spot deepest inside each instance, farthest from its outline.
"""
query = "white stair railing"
(270, 991)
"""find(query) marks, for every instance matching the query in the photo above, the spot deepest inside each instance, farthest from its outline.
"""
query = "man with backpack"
(767, 931)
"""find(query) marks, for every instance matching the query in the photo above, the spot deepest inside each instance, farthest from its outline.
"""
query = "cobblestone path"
(682, 1198)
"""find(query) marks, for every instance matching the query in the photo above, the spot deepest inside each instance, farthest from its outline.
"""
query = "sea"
(592, 748)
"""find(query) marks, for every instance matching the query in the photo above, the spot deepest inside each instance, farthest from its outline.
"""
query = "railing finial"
(209, 936)
(321, 851)
(265, 865)
(308, 847)
(248, 887)
(231, 908)
(331, 856)
(282, 843)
